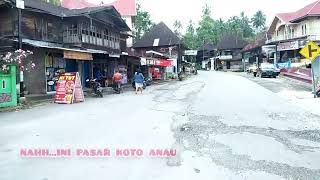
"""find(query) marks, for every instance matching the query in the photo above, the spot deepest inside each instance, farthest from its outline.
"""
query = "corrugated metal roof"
(162, 32)
(48, 8)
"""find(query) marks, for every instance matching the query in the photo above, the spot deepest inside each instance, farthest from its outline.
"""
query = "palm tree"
(259, 20)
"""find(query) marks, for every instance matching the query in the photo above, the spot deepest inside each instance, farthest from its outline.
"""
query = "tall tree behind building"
(259, 21)
(177, 25)
(143, 22)
(189, 38)
(205, 31)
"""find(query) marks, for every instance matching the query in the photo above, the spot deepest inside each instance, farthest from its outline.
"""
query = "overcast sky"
(184, 10)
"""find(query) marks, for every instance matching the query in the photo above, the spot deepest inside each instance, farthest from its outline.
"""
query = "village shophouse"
(159, 50)
(84, 40)
(290, 32)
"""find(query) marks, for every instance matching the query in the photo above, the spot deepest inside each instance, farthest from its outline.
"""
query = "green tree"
(55, 2)
(143, 22)
(240, 25)
(259, 20)
(205, 31)
(247, 30)
(177, 25)
(189, 39)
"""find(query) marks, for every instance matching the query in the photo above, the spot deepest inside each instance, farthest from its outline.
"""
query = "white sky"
(184, 10)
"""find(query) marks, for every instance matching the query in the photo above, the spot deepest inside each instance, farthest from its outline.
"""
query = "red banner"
(69, 89)
(163, 62)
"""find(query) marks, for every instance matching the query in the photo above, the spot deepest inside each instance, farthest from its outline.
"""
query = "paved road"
(222, 126)
(279, 84)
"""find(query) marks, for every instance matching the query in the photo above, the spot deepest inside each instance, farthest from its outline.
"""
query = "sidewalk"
(295, 91)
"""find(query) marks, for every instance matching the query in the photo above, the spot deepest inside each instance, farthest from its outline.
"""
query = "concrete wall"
(130, 23)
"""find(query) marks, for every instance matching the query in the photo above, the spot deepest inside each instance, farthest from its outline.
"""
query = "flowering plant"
(18, 58)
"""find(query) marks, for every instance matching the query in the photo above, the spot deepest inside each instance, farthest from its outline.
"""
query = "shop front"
(289, 51)
(68, 61)
(157, 68)
(50, 61)
(106, 65)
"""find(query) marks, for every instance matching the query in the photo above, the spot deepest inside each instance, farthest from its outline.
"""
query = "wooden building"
(160, 41)
(63, 40)
(229, 55)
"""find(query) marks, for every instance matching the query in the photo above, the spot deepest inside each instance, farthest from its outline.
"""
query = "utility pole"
(20, 5)
(203, 50)
(20, 47)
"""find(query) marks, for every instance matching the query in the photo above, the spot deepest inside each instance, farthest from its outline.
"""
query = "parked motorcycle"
(96, 87)
(181, 76)
(117, 87)
(146, 82)
(318, 92)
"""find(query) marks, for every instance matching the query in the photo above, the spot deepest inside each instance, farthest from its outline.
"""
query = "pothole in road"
(195, 132)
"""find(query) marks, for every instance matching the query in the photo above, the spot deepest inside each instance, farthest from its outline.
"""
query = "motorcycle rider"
(117, 77)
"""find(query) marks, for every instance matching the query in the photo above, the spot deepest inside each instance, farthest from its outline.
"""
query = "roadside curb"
(27, 105)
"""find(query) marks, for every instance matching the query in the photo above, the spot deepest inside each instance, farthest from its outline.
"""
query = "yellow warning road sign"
(310, 51)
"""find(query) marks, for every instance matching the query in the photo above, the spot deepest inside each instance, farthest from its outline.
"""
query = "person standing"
(138, 79)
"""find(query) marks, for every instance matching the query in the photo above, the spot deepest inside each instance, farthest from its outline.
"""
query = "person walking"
(138, 79)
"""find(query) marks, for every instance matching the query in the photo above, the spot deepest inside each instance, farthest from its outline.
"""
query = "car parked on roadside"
(268, 70)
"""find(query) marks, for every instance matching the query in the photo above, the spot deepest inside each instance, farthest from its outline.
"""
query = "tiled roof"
(285, 17)
(125, 7)
(312, 9)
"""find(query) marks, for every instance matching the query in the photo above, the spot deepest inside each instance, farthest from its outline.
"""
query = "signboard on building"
(190, 52)
(150, 62)
(163, 62)
(77, 55)
(69, 89)
(288, 46)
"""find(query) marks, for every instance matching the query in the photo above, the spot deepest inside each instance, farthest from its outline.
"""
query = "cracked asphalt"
(222, 125)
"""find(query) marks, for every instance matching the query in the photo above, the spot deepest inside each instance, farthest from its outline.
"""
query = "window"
(305, 29)
(3, 84)
(156, 42)
(292, 33)
(50, 30)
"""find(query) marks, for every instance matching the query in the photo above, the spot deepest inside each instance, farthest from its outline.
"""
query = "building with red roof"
(290, 31)
(125, 7)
